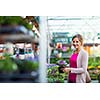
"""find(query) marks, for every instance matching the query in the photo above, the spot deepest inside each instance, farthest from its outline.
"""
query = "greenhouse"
(33, 49)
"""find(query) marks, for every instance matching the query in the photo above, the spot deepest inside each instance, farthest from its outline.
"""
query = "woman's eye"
(76, 41)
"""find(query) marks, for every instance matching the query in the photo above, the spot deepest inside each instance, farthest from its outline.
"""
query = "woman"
(78, 62)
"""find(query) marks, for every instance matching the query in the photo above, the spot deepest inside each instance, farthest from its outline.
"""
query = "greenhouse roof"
(88, 26)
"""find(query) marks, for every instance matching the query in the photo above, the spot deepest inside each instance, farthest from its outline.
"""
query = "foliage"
(7, 66)
(54, 76)
(94, 61)
(93, 76)
(98, 77)
(14, 20)
(54, 60)
(26, 65)
(93, 67)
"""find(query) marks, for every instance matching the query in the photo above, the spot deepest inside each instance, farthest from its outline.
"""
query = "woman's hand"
(66, 70)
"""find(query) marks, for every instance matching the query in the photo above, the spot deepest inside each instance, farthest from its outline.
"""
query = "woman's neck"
(77, 50)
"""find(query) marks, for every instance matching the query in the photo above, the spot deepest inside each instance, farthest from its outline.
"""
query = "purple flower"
(51, 65)
(61, 62)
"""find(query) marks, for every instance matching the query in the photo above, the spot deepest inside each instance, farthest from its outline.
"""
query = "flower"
(61, 62)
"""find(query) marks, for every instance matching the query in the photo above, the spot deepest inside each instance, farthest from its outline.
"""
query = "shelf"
(17, 34)
(16, 77)
(17, 38)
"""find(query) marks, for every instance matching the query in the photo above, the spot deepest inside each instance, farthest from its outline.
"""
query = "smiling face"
(76, 43)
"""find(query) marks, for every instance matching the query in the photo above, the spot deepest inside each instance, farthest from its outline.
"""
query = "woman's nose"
(74, 43)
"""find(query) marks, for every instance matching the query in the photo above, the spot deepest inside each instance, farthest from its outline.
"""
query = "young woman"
(78, 62)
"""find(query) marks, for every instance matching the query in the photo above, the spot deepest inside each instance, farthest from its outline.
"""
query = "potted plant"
(53, 75)
(7, 68)
(27, 70)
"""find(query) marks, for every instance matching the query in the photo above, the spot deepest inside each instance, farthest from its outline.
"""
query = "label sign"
(61, 40)
(61, 37)
(60, 34)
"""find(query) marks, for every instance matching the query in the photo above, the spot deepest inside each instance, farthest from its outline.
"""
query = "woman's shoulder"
(84, 51)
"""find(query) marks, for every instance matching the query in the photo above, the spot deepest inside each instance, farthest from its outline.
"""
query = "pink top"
(73, 64)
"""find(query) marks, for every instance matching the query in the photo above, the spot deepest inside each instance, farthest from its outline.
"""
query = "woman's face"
(76, 43)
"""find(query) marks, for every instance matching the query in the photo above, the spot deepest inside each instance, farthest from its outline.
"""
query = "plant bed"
(16, 70)
(53, 74)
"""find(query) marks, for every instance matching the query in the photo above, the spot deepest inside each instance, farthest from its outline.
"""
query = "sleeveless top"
(73, 64)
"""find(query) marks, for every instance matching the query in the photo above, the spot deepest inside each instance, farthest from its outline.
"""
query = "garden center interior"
(31, 46)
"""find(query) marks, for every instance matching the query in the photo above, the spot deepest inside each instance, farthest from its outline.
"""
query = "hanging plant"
(14, 20)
